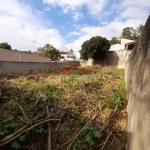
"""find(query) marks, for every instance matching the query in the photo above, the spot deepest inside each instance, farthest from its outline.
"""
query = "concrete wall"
(11, 55)
(117, 47)
(88, 62)
(7, 67)
(113, 58)
(83, 63)
(138, 92)
(116, 59)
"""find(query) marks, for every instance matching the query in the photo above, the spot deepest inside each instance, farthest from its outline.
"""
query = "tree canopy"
(131, 33)
(114, 40)
(139, 29)
(5, 45)
(49, 51)
(95, 48)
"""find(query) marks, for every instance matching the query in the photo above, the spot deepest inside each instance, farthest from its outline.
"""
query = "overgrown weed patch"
(86, 111)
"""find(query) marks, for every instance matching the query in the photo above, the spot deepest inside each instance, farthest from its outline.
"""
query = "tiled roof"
(63, 52)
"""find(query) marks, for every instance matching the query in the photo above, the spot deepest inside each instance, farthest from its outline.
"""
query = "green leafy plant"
(16, 143)
(118, 73)
(88, 137)
(91, 133)
(81, 120)
(112, 102)
(39, 129)
(48, 89)
(8, 126)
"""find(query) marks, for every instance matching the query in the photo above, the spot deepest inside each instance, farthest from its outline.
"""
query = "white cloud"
(140, 3)
(131, 13)
(138, 12)
(94, 6)
(11, 7)
(104, 23)
(134, 9)
(74, 33)
(109, 30)
(21, 25)
(77, 16)
(47, 8)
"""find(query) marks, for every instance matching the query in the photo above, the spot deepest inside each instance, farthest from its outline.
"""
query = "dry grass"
(99, 92)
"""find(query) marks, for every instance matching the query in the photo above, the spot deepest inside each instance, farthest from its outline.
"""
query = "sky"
(66, 24)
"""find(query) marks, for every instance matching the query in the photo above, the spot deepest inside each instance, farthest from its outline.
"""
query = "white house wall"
(125, 41)
(116, 47)
(64, 55)
(70, 59)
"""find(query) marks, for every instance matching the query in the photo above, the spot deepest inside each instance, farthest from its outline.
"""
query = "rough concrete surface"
(113, 58)
(7, 67)
(138, 92)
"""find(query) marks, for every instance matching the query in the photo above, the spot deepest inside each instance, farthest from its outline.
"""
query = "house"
(63, 56)
(122, 45)
(123, 49)
(118, 54)
(71, 56)
(67, 56)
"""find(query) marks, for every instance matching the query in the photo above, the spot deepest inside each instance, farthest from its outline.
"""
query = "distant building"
(118, 54)
(71, 56)
(67, 56)
(63, 56)
(124, 48)
(122, 45)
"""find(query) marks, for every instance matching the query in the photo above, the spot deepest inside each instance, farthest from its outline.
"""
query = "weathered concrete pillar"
(90, 62)
(138, 92)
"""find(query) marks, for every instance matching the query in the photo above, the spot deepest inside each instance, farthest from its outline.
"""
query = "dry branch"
(81, 131)
(106, 140)
(64, 144)
(13, 136)
(48, 130)
(22, 110)
(41, 123)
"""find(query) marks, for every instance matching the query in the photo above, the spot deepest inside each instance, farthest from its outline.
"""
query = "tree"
(131, 33)
(49, 51)
(5, 45)
(95, 48)
(139, 29)
(114, 40)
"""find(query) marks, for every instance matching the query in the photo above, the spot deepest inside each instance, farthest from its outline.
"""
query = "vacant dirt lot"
(81, 109)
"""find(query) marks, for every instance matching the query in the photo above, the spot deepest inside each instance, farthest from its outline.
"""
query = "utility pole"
(34, 44)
